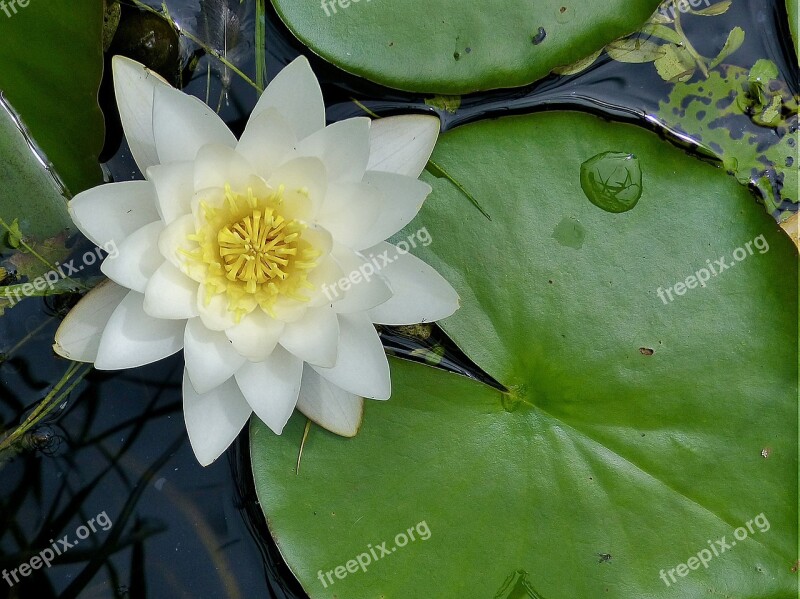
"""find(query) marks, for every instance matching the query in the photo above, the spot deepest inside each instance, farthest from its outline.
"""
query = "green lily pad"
(635, 430)
(33, 208)
(453, 47)
(794, 22)
(55, 92)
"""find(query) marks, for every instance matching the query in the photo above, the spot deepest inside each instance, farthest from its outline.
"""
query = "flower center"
(258, 247)
(248, 251)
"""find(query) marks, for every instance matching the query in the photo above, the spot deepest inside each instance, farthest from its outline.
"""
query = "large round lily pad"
(638, 435)
(55, 92)
(454, 47)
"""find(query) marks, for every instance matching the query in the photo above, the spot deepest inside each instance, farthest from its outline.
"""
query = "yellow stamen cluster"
(248, 251)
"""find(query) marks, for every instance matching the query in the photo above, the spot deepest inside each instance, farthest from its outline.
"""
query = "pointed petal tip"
(121, 63)
(403, 144)
(214, 420)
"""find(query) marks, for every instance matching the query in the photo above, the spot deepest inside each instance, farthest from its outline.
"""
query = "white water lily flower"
(257, 256)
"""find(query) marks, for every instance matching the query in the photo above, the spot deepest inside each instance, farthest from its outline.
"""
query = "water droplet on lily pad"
(612, 181)
(570, 233)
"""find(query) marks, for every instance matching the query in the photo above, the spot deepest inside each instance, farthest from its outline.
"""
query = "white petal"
(137, 258)
(266, 142)
(329, 406)
(174, 188)
(214, 311)
(361, 366)
(324, 278)
(296, 95)
(107, 214)
(315, 337)
(403, 144)
(343, 147)
(305, 182)
(214, 419)
(362, 287)
(183, 124)
(402, 197)
(289, 310)
(134, 85)
(174, 239)
(171, 294)
(272, 387)
(78, 337)
(256, 336)
(210, 357)
(350, 212)
(217, 166)
(420, 293)
(132, 338)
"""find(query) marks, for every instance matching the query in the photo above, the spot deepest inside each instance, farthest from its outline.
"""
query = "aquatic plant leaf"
(56, 92)
(677, 64)
(32, 204)
(633, 431)
(732, 44)
(449, 104)
(665, 33)
(579, 66)
(634, 50)
(451, 47)
(720, 8)
(717, 111)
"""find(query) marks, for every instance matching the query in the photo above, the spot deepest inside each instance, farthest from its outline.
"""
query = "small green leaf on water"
(732, 44)
(759, 77)
(656, 29)
(14, 235)
(446, 103)
(612, 181)
(771, 117)
(634, 50)
(763, 71)
(578, 67)
(676, 64)
(715, 9)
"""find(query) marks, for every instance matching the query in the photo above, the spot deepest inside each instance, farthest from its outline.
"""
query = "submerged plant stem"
(71, 379)
(688, 45)
(438, 171)
(261, 44)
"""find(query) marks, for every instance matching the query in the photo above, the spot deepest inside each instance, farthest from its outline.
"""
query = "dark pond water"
(114, 456)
